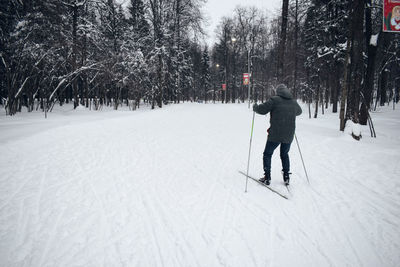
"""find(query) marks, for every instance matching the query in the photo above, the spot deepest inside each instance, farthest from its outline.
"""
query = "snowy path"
(162, 188)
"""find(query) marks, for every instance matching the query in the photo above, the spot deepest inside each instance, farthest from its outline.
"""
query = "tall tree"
(139, 25)
(31, 50)
(355, 70)
(113, 26)
(282, 41)
(205, 73)
(372, 47)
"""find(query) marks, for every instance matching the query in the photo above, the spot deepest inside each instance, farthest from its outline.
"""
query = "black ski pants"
(284, 153)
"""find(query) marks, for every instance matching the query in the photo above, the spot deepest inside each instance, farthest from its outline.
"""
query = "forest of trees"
(331, 54)
(95, 52)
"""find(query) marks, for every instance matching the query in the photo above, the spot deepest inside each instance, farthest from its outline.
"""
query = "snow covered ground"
(162, 188)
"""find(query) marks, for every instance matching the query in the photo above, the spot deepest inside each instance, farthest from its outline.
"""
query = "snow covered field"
(162, 188)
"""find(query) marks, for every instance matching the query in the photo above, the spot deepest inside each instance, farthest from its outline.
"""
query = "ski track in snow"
(162, 188)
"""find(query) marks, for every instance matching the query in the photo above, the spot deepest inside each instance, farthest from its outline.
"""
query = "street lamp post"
(226, 83)
(217, 66)
(248, 70)
(233, 39)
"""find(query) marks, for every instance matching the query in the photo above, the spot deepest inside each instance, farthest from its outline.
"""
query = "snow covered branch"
(22, 86)
(58, 86)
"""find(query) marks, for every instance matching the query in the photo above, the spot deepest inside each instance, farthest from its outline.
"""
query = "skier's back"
(283, 110)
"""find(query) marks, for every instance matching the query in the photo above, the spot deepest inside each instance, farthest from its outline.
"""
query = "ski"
(288, 189)
(267, 186)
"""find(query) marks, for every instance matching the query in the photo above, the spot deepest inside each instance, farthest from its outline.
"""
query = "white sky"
(214, 10)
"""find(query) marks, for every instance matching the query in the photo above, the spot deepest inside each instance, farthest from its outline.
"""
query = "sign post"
(224, 89)
(249, 72)
(391, 16)
(246, 78)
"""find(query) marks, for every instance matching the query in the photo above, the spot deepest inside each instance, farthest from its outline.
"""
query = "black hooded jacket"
(283, 110)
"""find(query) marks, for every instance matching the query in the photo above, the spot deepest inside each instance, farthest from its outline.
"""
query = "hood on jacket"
(283, 91)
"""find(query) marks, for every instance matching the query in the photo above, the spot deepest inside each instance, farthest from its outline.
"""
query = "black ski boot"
(266, 179)
(286, 177)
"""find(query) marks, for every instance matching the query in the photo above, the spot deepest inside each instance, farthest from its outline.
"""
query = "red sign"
(224, 86)
(246, 78)
(391, 15)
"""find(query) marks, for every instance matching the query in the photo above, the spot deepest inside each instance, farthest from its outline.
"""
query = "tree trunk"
(383, 87)
(282, 42)
(74, 53)
(357, 64)
(343, 97)
(370, 71)
(317, 101)
(295, 50)
(327, 91)
(335, 89)
(178, 45)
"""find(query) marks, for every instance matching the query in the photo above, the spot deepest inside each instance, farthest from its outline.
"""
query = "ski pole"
(304, 166)
(248, 159)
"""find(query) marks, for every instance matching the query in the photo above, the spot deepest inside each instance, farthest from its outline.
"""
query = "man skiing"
(283, 110)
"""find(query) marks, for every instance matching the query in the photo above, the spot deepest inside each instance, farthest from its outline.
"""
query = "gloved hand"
(255, 106)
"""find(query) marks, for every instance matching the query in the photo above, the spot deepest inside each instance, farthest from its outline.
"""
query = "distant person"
(283, 109)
